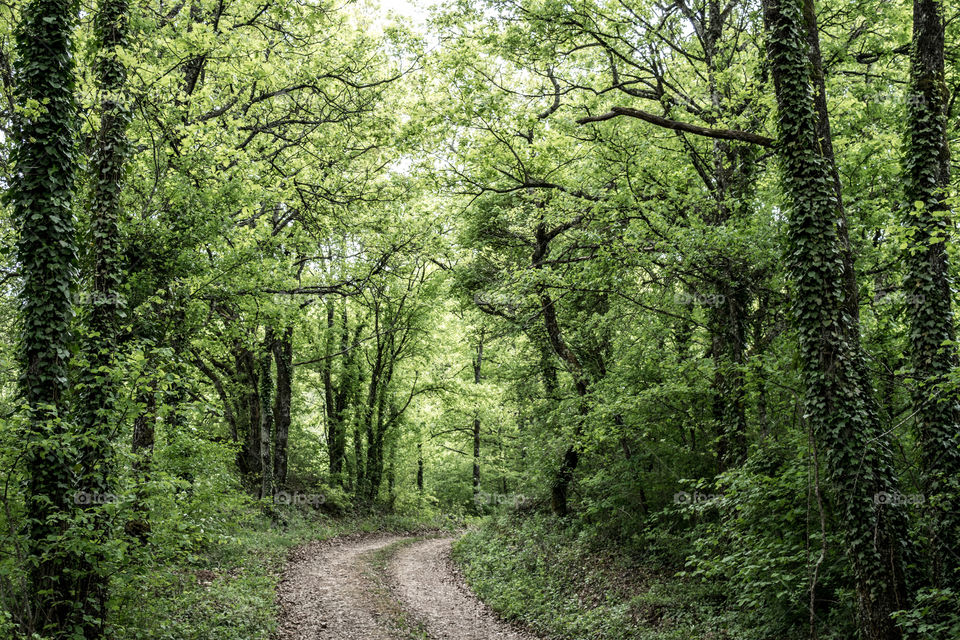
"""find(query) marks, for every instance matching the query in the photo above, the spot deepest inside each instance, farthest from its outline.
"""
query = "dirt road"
(382, 588)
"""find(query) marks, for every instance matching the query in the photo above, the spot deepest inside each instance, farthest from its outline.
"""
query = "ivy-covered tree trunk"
(571, 456)
(248, 413)
(283, 356)
(142, 443)
(97, 396)
(392, 474)
(374, 475)
(333, 425)
(728, 347)
(340, 394)
(378, 424)
(347, 395)
(838, 403)
(477, 365)
(42, 193)
(359, 464)
(420, 468)
(266, 417)
(928, 288)
(369, 418)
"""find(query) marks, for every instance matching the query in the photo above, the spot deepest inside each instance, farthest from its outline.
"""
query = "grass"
(540, 572)
(226, 588)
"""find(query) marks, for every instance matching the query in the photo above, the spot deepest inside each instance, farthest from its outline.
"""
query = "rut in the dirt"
(325, 595)
(330, 592)
(426, 582)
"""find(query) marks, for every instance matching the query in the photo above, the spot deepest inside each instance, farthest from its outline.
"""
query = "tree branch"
(676, 125)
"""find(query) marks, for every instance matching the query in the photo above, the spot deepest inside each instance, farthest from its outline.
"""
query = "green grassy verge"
(547, 576)
(225, 589)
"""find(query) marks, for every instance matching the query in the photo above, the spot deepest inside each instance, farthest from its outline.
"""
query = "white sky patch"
(414, 13)
(414, 10)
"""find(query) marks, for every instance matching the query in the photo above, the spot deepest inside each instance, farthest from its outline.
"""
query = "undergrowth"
(554, 578)
(226, 587)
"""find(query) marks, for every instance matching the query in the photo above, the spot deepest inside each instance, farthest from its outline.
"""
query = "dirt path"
(382, 588)
(325, 593)
(425, 581)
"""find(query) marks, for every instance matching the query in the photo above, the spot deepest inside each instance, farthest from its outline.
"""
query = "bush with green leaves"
(759, 531)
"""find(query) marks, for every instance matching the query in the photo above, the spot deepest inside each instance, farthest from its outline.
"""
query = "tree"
(838, 402)
(283, 356)
(42, 194)
(477, 369)
(928, 285)
(96, 419)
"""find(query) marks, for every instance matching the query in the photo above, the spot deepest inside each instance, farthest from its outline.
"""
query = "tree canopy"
(676, 276)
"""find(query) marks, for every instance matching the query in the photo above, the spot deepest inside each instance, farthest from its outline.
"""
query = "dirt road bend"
(382, 587)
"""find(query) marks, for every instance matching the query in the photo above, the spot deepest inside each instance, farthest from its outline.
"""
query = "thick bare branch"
(686, 127)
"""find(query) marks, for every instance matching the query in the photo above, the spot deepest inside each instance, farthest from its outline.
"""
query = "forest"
(515, 319)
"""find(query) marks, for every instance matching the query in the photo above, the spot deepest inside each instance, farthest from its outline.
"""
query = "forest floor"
(382, 587)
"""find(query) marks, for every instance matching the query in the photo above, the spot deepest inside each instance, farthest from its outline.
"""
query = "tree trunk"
(420, 467)
(344, 395)
(571, 458)
(392, 474)
(97, 397)
(731, 183)
(358, 462)
(375, 437)
(476, 456)
(377, 420)
(728, 348)
(143, 433)
(928, 289)
(42, 191)
(266, 417)
(370, 416)
(142, 448)
(477, 365)
(329, 402)
(283, 355)
(838, 402)
(248, 416)
(825, 149)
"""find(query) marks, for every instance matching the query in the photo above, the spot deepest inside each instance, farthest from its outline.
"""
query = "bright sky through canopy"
(414, 10)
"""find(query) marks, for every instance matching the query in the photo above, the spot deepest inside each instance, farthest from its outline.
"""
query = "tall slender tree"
(477, 367)
(838, 401)
(97, 394)
(283, 355)
(42, 194)
(926, 216)
(265, 426)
